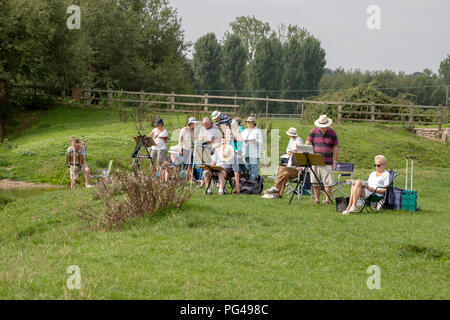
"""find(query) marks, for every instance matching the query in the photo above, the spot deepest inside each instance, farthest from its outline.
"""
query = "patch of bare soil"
(15, 184)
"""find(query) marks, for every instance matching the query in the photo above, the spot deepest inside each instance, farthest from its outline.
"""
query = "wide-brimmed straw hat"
(251, 119)
(292, 132)
(323, 121)
(224, 151)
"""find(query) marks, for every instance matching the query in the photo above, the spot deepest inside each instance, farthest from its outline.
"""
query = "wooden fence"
(188, 103)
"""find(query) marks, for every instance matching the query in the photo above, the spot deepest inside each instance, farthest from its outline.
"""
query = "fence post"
(372, 112)
(141, 99)
(206, 102)
(172, 101)
(303, 110)
(110, 98)
(63, 95)
(411, 114)
(339, 114)
(87, 97)
(440, 117)
(235, 104)
(267, 107)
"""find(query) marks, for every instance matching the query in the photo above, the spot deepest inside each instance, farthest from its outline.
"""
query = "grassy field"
(214, 248)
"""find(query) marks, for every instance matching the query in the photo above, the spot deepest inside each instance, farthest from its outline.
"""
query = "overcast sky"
(414, 34)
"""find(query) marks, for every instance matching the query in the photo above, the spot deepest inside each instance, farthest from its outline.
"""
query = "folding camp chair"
(103, 173)
(346, 170)
(377, 201)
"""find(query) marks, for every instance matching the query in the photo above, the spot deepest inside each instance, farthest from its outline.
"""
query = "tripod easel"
(142, 141)
(307, 160)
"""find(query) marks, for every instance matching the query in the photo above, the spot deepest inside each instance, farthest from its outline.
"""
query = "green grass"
(231, 247)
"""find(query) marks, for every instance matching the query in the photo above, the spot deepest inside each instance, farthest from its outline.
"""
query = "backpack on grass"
(248, 186)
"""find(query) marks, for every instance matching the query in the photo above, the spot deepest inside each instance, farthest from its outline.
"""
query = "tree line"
(420, 88)
(140, 45)
(254, 59)
(121, 44)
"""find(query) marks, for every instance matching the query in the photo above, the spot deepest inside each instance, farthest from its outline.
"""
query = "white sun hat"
(292, 132)
(215, 114)
(192, 120)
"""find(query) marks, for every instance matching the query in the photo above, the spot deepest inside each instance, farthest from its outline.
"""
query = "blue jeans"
(252, 166)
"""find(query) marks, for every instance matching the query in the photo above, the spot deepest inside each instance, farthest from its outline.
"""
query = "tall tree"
(207, 62)
(234, 64)
(312, 64)
(293, 74)
(286, 33)
(444, 70)
(266, 68)
(250, 30)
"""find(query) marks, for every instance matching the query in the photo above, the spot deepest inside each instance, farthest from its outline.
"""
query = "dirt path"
(14, 184)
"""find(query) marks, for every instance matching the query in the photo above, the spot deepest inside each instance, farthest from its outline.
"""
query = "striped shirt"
(224, 119)
(323, 143)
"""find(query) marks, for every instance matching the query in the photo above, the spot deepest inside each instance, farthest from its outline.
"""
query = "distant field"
(230, 247)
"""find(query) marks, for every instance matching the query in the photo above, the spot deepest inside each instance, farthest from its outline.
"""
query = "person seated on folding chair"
(378, 181)
(294, 139)
(285, 173)
(224, 156)
(76, 158)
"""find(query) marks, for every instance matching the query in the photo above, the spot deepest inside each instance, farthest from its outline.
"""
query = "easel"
(214, 172)
(145, 141)
(307, 160)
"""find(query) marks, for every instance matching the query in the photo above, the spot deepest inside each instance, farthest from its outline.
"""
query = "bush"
(131, 195)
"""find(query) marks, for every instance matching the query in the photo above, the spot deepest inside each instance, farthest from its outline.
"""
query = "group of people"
(222, 142)
(227, 144)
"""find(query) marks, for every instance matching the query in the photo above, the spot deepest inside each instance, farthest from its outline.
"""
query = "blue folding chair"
(346, 173)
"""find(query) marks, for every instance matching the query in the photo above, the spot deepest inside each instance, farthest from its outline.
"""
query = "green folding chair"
(379, 201)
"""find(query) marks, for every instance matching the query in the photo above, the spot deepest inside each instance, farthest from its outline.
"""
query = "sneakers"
(345, 212)
(208, 192)
(90, 186)
(220, 193)
(353, 209)
(272, 190)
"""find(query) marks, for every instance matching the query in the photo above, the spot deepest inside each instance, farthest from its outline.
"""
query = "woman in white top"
(252, 137)
(161, 137)
(378, 181)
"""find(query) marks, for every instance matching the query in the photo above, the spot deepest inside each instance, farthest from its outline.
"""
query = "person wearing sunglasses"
(378, 180)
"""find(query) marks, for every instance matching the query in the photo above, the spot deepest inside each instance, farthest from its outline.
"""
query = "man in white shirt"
(209, 134)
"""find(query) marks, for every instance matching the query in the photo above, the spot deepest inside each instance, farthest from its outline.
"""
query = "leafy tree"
(444, 70)
(250, 30)
(234, 64)
(207, 62)
(286, 33)
(266, 68)
(312, 64)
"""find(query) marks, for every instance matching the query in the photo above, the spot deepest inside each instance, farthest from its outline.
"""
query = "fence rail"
(175, 102)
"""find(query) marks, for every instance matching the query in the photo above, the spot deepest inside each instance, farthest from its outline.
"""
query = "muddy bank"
(15, 184)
